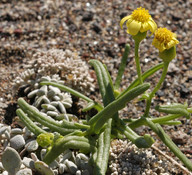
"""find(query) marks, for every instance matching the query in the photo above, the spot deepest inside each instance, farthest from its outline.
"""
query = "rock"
(32, 146)
(42, 153)
(43, 168)
(62, 168)
(184, 91)
(88, 16)
(179, 137)
(96, 27)
(15, 131)
(71, 166)
(17, 142)
(5, 173)
(54, 165)
(25, 171)
(11, 160)
(160, 93)
(3, 129)
(67, 155)
(29, 163)
(34, 157)
(78, 172)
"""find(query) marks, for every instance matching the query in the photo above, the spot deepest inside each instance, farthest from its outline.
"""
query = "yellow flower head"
(164, 39)
(139, 21)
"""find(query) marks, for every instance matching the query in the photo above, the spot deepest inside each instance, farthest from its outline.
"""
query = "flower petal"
(123, 20)
(144, 27)
(134, 27)
(153, 25)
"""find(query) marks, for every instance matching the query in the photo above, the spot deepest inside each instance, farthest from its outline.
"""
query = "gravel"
(91, 30)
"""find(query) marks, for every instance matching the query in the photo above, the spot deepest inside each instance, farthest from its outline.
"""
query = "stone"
(71, 166)
(43, 168)
(25, 171)
(17, 142)
(28, 162)
(11, 160)
(32, 146)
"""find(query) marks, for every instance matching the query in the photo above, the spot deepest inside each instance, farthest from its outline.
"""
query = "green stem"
(138, 67)
(49, 122)
(122, 67)
(100, 118)
(73, 92)
(29, 123)
(163, 120)
(169, 143)
(157, 87)
(68, 142)
(145, 75)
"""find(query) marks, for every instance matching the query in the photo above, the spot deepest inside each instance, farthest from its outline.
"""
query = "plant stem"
(29, 123)
(122, 67)
(163, 120)
(73, 92)
(100, 118)
(138, 62)
(169, 143)
(165, 68)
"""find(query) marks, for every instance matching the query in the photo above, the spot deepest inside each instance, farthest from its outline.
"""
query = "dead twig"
(171, 160)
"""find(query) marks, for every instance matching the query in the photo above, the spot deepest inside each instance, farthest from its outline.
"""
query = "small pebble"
(34, 157)
(28, 162)
(5, 173)
(67, 155)
(11, 160)
(56, 172)
(32, 146)
(16, 131)
(17, 142)
(71, 166)
(42, 153)
(25, 171)
(62, 168)
(3, 129)
(54, 165)
(7, 134)
(78, 172)
(43, 168)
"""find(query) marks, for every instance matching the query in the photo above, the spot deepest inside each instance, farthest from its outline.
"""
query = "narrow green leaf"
(99, 119)
(29, 123)
(145, 75)
(122, 66)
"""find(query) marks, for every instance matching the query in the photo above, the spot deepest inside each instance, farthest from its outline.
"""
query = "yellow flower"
(139, 21)
(164, 39)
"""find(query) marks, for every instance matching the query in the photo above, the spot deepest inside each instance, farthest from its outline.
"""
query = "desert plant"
(95, 134)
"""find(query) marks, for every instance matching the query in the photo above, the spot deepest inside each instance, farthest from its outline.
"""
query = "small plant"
(94, 134)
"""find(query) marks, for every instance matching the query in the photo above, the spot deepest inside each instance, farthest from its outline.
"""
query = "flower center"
(163, 35)
(141, 15)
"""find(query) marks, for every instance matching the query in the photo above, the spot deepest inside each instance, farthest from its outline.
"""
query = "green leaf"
(122, 66)
(175, 108)
(100, 118)
(145, 75)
